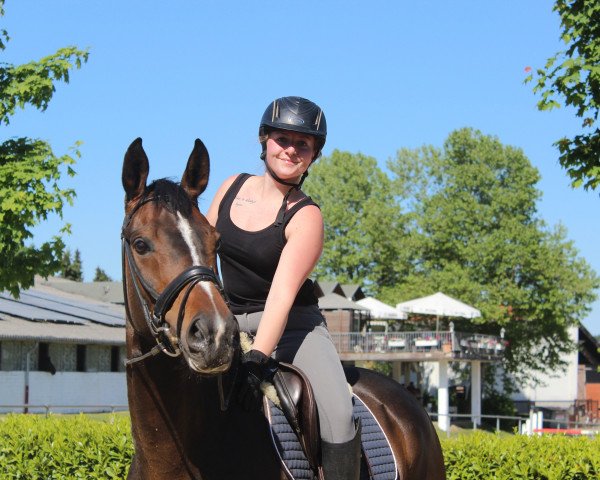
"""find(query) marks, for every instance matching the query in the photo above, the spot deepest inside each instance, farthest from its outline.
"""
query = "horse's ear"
(135, 170)
(195, 177)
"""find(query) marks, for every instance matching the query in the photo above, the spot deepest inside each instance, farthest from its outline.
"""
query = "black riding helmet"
(295, 114)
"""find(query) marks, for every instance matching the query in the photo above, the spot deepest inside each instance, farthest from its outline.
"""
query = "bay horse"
(182, 341)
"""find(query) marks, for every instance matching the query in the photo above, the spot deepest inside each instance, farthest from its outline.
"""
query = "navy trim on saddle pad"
(378, 462)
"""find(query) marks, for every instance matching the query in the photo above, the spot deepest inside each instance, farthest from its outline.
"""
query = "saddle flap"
(300, 409)
(377, 463)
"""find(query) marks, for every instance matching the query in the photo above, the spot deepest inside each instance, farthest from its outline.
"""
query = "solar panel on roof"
(69, 308)
(88, 311)
(16, 308)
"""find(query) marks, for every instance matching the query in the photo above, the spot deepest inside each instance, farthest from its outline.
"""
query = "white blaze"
(188, 236)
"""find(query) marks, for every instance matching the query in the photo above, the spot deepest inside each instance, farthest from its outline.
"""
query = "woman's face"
(289, 153)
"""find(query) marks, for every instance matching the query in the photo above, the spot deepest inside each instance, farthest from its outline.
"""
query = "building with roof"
(111, 292)
(60, 348)
(572, 394)
(63, 343)
(323, 287)
(341, 312)
(353, 292)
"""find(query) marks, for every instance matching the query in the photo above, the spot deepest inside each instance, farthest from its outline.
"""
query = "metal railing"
(476, 420)
(516, 424)
(519, 423)
(47, 409)
(457, 343)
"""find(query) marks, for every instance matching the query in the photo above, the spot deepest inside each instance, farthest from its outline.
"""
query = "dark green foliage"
(484, 456)
(572, 77)
(462, 220)
(70, 267)
(64, 447)
(363, 224)
(498, 403)
(476, 236)
(76, 447)
(101, 276)
(30, 172)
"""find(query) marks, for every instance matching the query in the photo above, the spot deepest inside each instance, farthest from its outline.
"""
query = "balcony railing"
(453, 344)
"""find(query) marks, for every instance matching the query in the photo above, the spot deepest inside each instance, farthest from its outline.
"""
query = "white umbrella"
(439, 305)
(379, 309)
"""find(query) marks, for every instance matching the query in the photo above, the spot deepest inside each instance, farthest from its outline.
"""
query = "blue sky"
(387, 74)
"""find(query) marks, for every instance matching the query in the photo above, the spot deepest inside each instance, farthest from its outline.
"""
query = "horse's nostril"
(209, 336)
(195, 331)
(200, 335)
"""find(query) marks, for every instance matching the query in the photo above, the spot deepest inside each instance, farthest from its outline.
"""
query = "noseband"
(155, 315)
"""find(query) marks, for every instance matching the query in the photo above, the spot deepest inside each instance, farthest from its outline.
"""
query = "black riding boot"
(341, 461)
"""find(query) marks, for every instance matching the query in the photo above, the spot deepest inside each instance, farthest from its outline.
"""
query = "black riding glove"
(256, 368)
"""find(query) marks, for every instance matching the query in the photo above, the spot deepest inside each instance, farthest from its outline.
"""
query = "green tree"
(363, 223)
(477, 237)
(30, 172)
(101, 276)
(572, 76)
(71, 268)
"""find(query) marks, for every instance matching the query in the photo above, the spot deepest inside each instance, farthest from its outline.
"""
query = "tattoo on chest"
(240, 201)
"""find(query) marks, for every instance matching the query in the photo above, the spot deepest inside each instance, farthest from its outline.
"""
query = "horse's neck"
(180, 430)
(170, 412)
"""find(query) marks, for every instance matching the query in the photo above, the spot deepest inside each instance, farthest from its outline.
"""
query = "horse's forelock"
(170, 195)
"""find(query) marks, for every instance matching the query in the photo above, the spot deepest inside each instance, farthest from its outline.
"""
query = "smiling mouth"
(293, 162)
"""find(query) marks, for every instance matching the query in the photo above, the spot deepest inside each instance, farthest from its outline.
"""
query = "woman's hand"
(256, 368)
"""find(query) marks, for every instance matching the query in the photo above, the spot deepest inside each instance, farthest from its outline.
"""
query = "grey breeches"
(306, 343)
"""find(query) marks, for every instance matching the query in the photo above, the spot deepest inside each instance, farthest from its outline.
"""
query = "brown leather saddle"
(297, 402)
(295, 423)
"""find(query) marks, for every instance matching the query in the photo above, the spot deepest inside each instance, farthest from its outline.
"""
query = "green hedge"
(503, 457)
(64, 447)
(70, 447)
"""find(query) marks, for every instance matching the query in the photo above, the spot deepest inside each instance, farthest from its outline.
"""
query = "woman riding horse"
(183, 344)
(271, 239)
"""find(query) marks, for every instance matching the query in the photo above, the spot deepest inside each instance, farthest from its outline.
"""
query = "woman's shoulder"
(301, 199)
(214, 208)
(306, 223)
(229, 181)
(304, 210)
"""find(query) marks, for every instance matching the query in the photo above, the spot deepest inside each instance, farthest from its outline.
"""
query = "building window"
(43, 354)
(80, 358)
(115, 359)
(118, 355)
(44, 362)
(64, 356)
(97, 358)
(13, 356)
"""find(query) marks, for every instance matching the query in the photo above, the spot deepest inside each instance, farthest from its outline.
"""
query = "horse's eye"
(140, 246)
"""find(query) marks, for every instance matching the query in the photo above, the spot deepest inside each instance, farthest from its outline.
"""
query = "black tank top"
(249, 259)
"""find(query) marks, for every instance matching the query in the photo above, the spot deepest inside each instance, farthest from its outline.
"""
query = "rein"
(162, 302)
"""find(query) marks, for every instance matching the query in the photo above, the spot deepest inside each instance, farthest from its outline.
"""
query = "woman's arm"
(304, 246)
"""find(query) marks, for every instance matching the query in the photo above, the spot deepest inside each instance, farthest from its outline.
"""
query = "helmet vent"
(318, 119)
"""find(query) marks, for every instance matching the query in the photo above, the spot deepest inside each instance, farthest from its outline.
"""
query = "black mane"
(170, 195)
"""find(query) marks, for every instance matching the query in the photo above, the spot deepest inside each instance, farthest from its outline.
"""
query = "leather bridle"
(155, 314)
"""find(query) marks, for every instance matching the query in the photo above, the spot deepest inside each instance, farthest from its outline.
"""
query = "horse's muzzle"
(210, 343)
